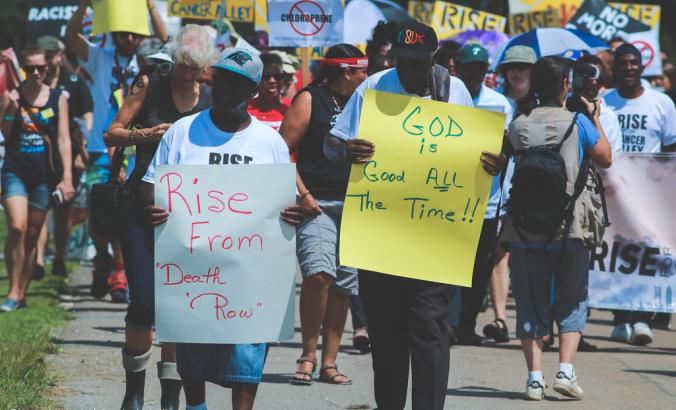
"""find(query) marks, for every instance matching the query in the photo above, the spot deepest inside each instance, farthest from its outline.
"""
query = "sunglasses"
(31, 68)
(516, 66)
(277, 76)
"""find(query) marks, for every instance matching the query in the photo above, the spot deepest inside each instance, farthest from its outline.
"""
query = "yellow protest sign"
(417, 208)
(120, 15)
(524, 22)
(421, 11)
(566, 8)
(448, 19)
(235, 10)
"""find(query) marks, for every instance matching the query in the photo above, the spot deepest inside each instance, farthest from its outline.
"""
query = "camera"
(580, 75)
(57, 197)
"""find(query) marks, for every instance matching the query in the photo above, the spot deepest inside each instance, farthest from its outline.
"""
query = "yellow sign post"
(416, 209)
(120, 15)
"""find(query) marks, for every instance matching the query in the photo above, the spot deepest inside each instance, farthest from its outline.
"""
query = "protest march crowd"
(87, 125)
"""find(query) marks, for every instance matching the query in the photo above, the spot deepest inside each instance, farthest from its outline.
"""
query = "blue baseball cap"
(242, 62)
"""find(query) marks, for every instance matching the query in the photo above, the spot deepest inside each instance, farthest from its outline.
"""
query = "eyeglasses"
(277, 76)
(29, 69)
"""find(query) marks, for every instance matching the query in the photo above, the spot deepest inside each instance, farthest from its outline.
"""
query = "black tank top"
(32, 150)
(324, 178)
(159, 108)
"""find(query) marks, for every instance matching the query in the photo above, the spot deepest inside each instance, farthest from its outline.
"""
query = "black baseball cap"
(413, 40)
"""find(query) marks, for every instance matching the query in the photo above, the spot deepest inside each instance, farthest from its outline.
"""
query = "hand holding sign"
(416, 203)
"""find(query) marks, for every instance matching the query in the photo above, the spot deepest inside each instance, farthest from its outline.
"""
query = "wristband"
(304, 194)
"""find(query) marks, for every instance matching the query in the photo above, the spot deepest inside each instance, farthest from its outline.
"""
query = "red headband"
(357, 62)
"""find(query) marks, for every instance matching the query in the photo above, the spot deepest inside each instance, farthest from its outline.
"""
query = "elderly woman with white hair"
(156, 100)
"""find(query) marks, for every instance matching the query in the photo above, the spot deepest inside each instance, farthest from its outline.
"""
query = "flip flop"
(497, 330)
(302, 381)
(332, 379)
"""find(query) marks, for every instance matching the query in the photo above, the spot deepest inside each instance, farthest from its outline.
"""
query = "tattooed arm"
(119, 133)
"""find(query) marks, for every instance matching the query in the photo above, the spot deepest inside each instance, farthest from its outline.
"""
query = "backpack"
(539, 203)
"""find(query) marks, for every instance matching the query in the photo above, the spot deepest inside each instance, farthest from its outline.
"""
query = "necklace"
(335, 102)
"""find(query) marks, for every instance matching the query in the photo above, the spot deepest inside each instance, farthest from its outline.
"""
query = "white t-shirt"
(100, 64)
(489, 99)
(611, 126)
(195, 140)
(347, 123)
(648, 122)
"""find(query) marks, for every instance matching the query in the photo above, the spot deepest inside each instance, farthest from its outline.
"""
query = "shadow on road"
(668, 373)
(101, 343)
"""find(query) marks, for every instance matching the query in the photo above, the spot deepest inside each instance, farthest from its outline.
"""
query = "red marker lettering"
(174, 191)
(212, 194)
(192, 232)
(238, 197)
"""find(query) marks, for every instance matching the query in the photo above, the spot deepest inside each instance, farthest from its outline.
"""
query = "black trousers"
(472, 298)
(632, 317)
(407, 322)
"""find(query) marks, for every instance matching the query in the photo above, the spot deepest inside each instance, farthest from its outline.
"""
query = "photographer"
(543, 238)
(587, 82)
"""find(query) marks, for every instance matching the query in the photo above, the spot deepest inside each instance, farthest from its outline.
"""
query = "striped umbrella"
(553, 41)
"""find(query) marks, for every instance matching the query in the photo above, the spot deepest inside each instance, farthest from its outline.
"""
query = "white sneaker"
(642, 334)
(622, 333)
(567, 385)
(535, 390)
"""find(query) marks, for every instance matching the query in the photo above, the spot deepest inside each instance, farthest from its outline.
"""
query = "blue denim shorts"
(543, 295)
(38, 194)
(220, 363)
(317, 248)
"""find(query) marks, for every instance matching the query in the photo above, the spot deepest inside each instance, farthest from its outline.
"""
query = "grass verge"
(25, 339)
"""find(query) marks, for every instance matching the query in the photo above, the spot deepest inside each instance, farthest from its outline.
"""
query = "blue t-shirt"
(588, 135)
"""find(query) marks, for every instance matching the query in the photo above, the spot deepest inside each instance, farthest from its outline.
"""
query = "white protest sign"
(224, 261)
(638, 24)
(305, 23)
(635, 268)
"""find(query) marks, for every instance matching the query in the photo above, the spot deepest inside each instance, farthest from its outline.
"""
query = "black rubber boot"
(133, 395)
(171, 394)
(171, 385)
(135, 370)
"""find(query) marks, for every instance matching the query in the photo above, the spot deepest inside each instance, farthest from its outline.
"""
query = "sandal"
(303, 381)
(497, 330)
(332, 379)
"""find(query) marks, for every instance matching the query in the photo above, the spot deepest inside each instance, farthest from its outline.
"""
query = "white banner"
(305, 23)
(635, 268)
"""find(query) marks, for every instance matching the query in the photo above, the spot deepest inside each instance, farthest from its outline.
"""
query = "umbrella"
(491, 40)
(554, 41)
(361, 16)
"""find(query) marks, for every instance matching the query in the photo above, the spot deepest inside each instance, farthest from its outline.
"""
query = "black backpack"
(538, 201)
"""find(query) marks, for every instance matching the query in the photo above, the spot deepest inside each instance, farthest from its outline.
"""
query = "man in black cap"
(407, 317)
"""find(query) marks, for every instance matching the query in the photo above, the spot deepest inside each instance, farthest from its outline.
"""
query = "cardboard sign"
(648, 42)
(448, 19)
(120, 15)
(604, 21)
(565, 8)
(224, 261)
(235, 10)
(417, 208)
(524, 22)
(635, 267)
(305, 23)
(49, 17)
(421, 11)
